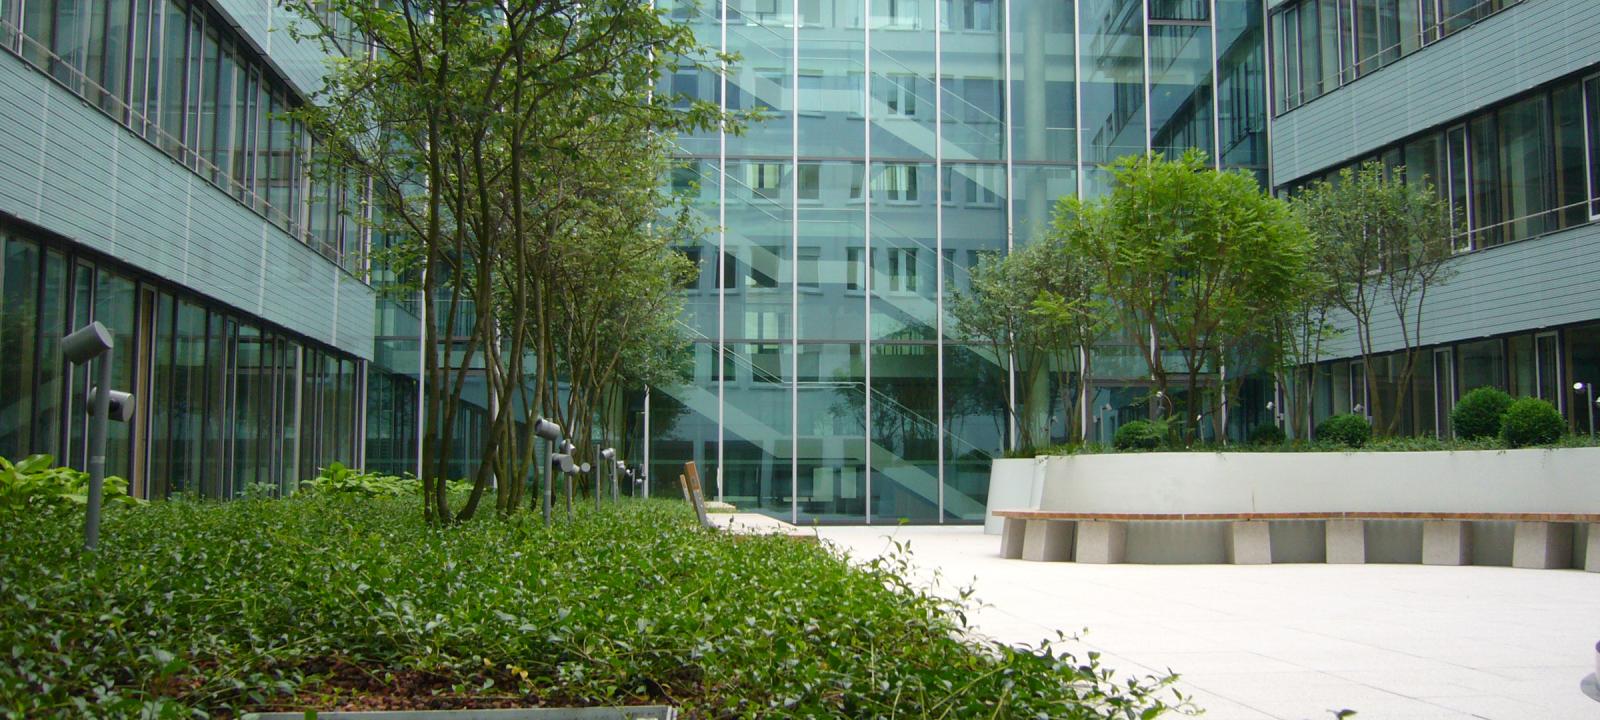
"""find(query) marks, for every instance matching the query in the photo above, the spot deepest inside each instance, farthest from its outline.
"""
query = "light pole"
(1588, 389)
(606, 455)
(551, 432)
(83, 345)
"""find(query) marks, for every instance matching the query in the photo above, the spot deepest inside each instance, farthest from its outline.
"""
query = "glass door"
(1444, 390)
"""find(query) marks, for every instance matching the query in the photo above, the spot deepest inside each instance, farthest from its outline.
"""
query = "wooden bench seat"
(1542, 540)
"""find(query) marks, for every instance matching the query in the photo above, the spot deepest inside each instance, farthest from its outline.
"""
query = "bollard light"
(1588, 389)
(547, 430)
(85, 344)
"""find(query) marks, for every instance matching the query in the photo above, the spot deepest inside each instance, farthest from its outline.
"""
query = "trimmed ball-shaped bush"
(1140, 435)
(1268, 434)
(1347, 429)
(1479, 412)
(1531, 421)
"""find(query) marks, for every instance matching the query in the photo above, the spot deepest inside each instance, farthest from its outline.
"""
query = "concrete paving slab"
(1290, 641)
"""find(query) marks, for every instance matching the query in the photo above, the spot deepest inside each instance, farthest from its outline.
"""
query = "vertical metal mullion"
(1005, 72)
(1144, 26)
(1271, 105)
(720, 362)
(794, 264)
(1077, 94)
(938, 230)
(1216, 85)
(867, 269)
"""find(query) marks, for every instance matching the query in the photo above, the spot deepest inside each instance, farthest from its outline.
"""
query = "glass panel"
(188, 398)
(1524, 370)
(905, 432)
(1458, 185)
(1583, 363)
(114, 303)
(1482, 364)
(38, 18)
(902, 262)
(1524, 148)
(1043, 113)
(1180, 89)
(19, 308)
(1486, 191)
(975, 426)
(162, 403)
(832, 479)
(1113, 79)
(1570, 194)
(1592, 98)
(175, 36)
(1549, 370)
(1241, 86)
(51, 381)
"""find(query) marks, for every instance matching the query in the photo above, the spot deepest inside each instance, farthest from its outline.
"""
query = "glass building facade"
(904, 139)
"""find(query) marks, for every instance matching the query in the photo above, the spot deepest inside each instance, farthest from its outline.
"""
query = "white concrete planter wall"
(1540, 480)
(1013, 483)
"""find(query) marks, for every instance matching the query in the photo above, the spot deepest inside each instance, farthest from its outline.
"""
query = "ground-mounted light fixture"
(551, 433)
(1588, 389)
(606, 455)
(88, 343)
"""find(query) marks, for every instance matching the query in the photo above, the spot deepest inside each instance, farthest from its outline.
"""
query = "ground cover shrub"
(338, 479)
(336, 600)
(1268, 434)
(1531, 421)
(37, 482)
(1349, 430)
(1478, 413)
(1140, 435)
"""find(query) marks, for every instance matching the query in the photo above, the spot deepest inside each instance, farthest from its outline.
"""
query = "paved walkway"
(1393, 642)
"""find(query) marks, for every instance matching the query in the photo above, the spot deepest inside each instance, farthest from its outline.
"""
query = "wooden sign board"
(696, 498)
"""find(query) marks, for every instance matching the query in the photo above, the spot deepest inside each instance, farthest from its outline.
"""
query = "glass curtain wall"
(219, 396)
(905, 139)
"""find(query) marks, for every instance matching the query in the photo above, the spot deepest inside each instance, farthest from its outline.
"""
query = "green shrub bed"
(195, 609)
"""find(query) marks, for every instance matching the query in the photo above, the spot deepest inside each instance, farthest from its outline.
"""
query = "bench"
(1541, 540)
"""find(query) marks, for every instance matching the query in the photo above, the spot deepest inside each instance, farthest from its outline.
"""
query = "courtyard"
(1291, 641)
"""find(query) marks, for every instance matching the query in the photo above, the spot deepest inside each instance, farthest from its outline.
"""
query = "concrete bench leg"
(1102, 542)
(1542, 545)
(1047, 541)
(1346, 542)
(1249, 543)
(1591, 561)
(1013, 532)
(1446, 542)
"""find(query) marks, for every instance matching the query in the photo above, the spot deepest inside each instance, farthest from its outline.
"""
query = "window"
(812, 97)
(897, 182)
(808, 181)
(1569, 193)
(763, 179)
(1592, 117)
(903, 270)
(807, 265)
(895, 14)
(856, 171)
(854, 277)
(896, 95)
(974, 15)
(728, 272)
(764, 263)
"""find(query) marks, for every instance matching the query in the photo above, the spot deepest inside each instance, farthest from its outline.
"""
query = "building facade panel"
(1516, 49)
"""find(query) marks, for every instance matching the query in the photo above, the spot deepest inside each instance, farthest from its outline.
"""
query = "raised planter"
(1563, 480)
(1013, 483)
(639, 712)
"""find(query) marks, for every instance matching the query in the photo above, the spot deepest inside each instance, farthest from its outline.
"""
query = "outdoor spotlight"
(547, 430)
(1358, 408)
(584, 468)
(567, 447)
(1160, 394)
(607, 454)
(86, 343)
(120, 407)
(1270, 405)
(563, 462)
(621, 465)
(1578, 386)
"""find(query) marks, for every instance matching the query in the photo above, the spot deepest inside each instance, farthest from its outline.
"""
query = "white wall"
(1539, 480)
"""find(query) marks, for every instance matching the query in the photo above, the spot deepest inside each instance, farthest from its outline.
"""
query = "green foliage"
(336, 479)
(1349, 430)
(1268, 434)
(37, 482)
(1531, 421)
(308, 602)
(1141, 435)
(1478, 413)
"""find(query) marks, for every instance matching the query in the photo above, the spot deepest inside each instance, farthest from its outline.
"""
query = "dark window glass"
(1592, 100)
(1458, 185)
(19, 314)
(1570, 194)
(1484, 141)
(174, 43)
(1524, 153)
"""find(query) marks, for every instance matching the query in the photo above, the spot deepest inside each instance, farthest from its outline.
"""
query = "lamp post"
(82, 346)
(568, 467)
(551, 432)
(1588, 389)
(606, 456)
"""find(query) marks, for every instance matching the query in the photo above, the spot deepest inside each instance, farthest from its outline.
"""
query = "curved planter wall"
(1539, 480)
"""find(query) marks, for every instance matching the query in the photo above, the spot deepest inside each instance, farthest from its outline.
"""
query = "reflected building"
(904, 139)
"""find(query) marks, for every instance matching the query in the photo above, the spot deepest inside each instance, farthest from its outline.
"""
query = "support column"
(1346, 542)
(1013, 532)
(1101, 542)
(1047, 541)
(1592, 554)
(1446, 542)
(1249, 542)
(1543, 545)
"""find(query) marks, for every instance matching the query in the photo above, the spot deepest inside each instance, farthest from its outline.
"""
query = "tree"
(1382, 244)
(489, 132)
(1190, 256)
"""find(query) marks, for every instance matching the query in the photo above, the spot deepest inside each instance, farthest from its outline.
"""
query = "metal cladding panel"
(73, 171)
(1515, 50)
(1540, 282)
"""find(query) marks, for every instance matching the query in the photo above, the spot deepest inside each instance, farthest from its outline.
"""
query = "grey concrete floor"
(1291, 641)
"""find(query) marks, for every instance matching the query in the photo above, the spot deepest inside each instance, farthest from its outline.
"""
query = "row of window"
(180, 77)
(1319, 45)
(897, 269)
(221, 401)
(971, 185)
(1527, 167)
(954, 15)
(1544, 365)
